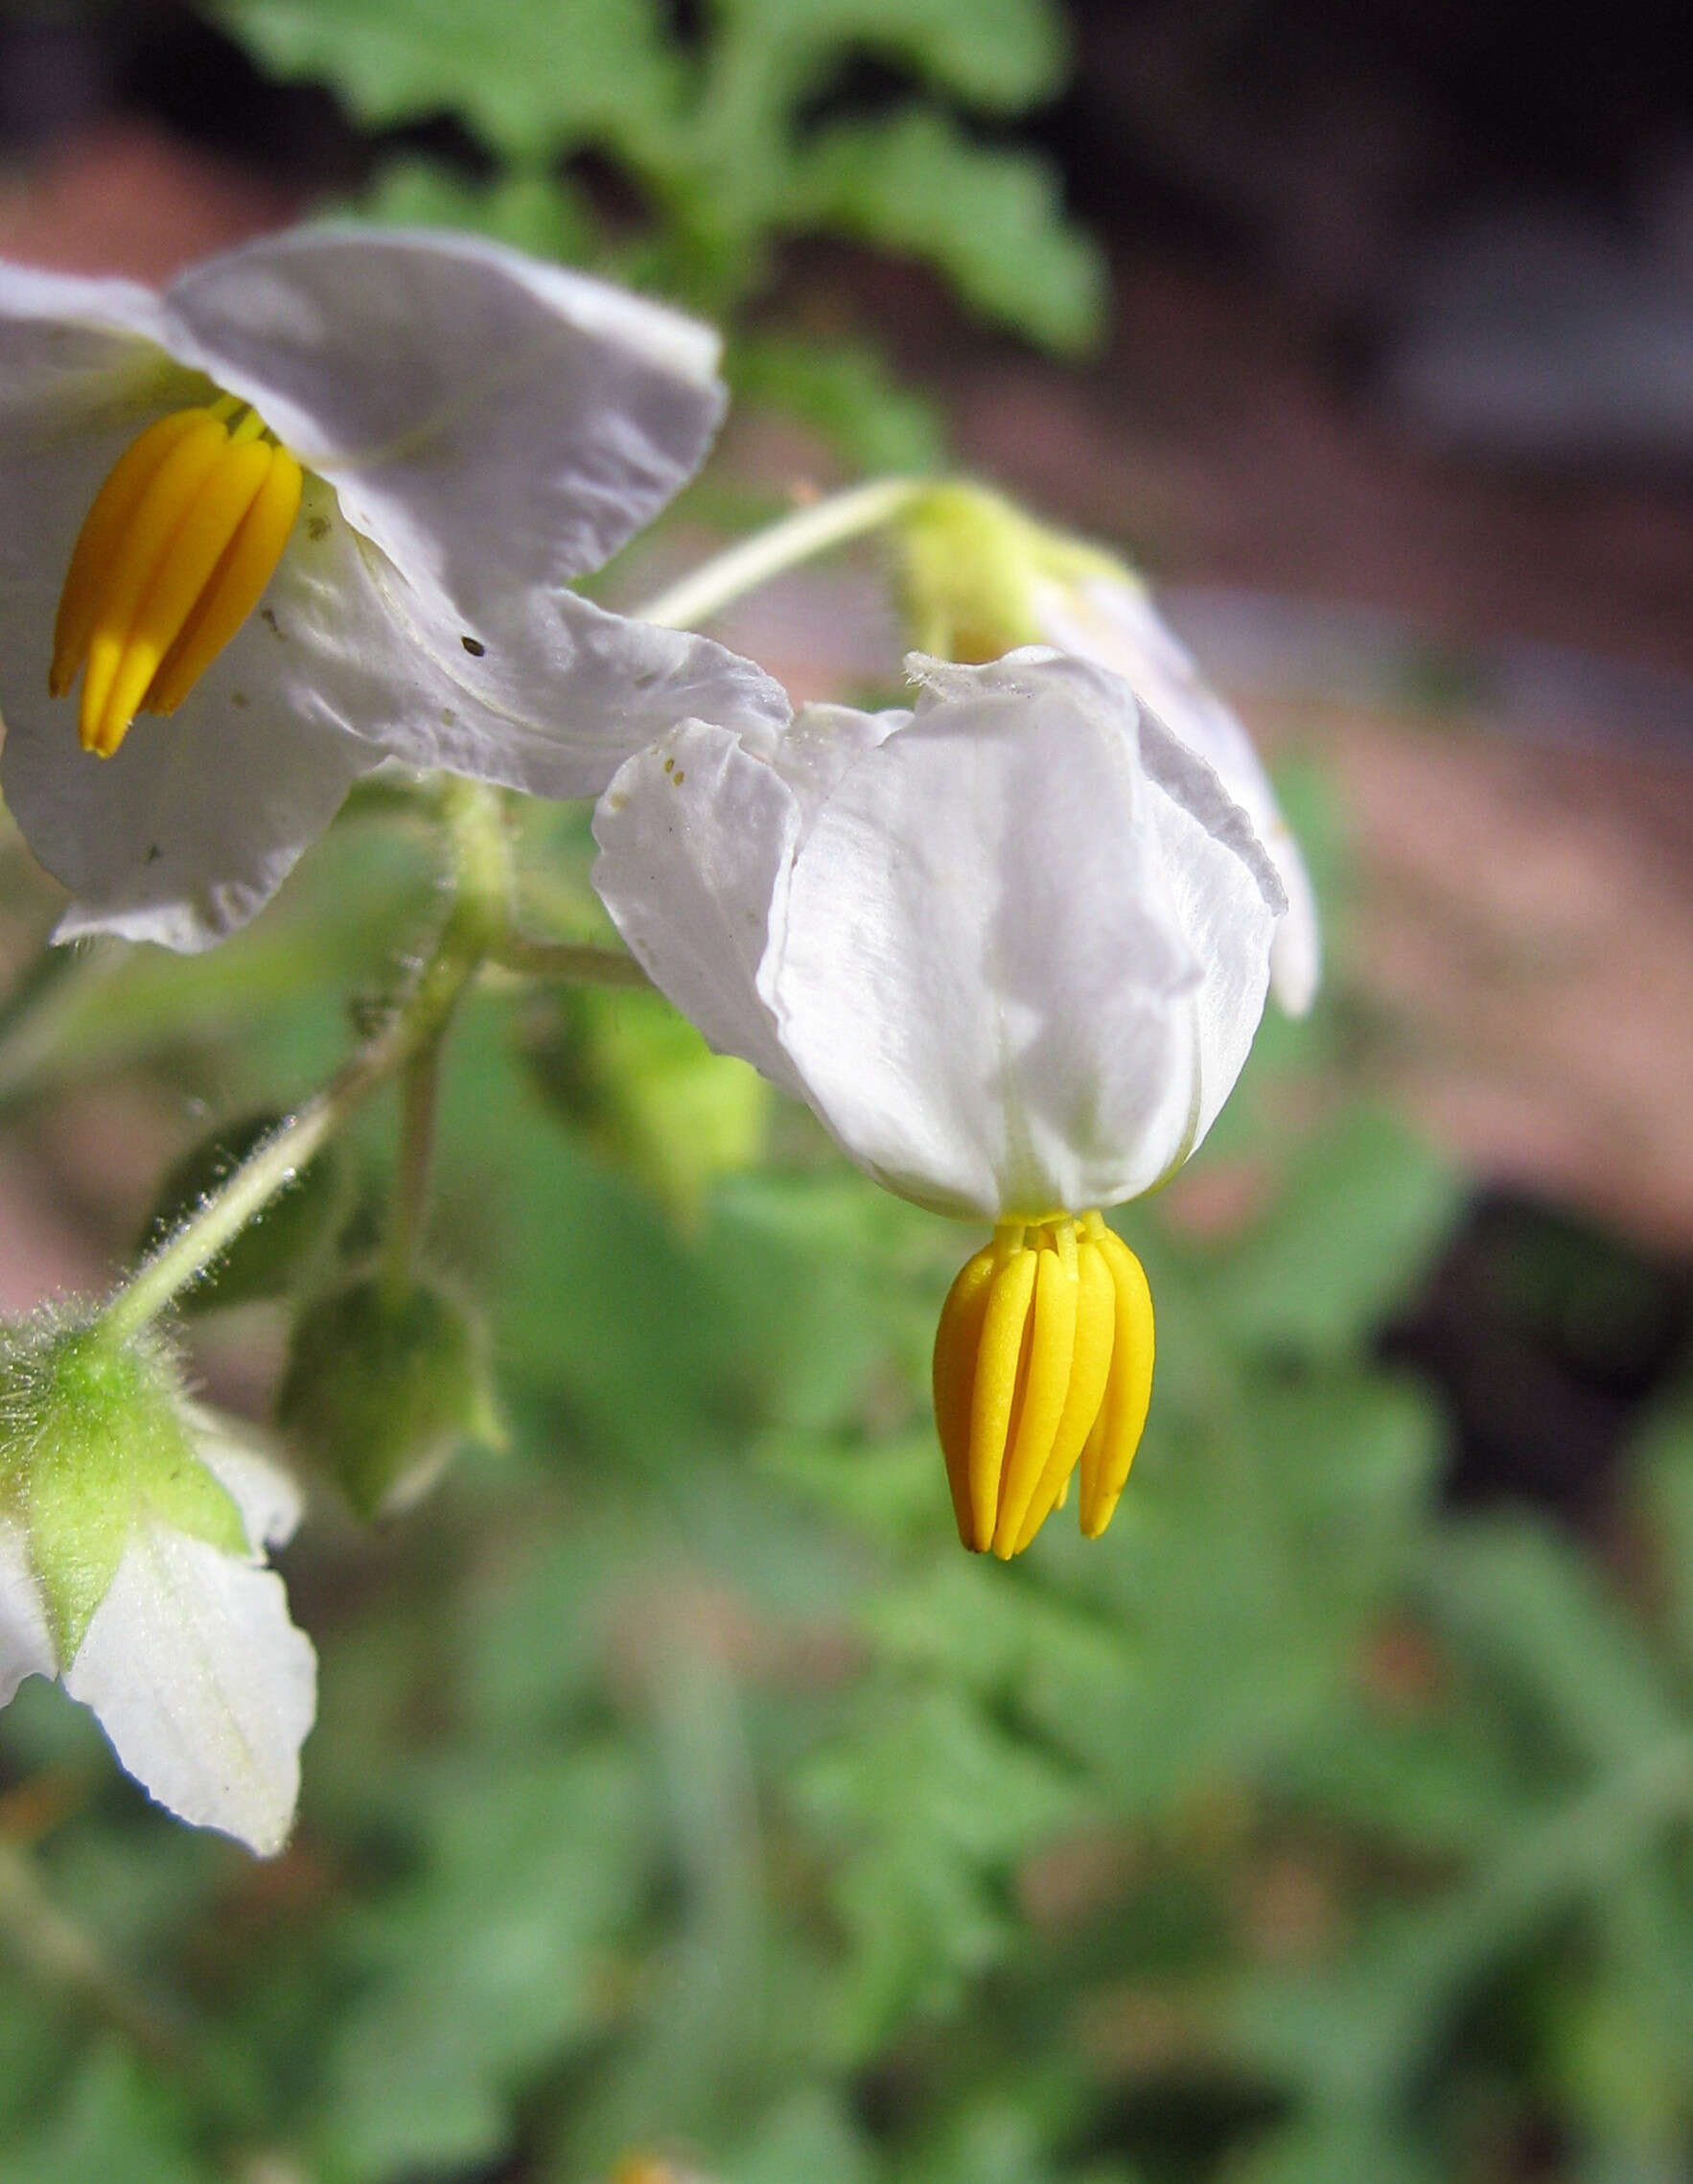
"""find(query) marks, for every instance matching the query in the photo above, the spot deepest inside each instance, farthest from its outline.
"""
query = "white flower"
(189, 1660)
(1012, 948)
(1105, 615)
(979, 576)
(466, 430)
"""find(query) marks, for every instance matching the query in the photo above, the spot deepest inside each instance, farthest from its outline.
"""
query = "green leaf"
(110, 2124)
(492, 1963)
(1336, 2150)
(538, 213)
(991, 220)
(809, 2136)
(926, 1805)
(845, 393)
(1666, 1474)
(1358, 1217)
(1525, 1608)
(533, 77)
(1002, 56)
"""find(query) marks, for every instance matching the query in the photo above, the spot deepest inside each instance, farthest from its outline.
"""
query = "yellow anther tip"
(1043, 1364)
(173, 556)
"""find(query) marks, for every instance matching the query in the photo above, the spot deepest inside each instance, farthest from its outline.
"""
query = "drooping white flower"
(980, 575)
(329, 489)
(1108, 617)
(133, 1526)
(1011, 947)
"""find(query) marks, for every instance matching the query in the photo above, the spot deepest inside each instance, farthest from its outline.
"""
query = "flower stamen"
(173, 556)
(1043, 1362)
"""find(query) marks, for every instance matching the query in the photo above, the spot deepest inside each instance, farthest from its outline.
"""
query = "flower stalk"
(479, 918)
(798, 538)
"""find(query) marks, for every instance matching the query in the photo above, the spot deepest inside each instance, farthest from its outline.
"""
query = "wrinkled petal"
(204, 1685)
(986, 979)
(190, 828)
(489, 422)
(552, 707)
(26, 1646)
(696, 839)
(1114, 622)
(492, 426)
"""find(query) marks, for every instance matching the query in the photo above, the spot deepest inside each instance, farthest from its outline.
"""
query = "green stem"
(729, 576)
(421, 1085)
(571, 962)
(478, 921)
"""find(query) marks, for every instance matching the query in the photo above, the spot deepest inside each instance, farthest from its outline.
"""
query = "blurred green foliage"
(720, 141)
(680, 1786)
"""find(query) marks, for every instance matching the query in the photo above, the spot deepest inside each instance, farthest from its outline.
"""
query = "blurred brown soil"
(1523, 932)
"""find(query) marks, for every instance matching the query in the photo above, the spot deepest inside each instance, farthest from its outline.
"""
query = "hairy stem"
(729, 576)
(477, 921)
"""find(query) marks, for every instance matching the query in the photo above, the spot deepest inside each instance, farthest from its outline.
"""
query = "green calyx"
(380, 1389)
(970, 566)
(95, 1440)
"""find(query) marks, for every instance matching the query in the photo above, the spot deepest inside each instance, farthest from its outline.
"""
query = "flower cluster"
(317, 505)
(315, 508)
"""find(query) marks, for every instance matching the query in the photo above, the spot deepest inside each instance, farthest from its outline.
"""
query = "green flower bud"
(96, 1438)
(647, 1091)
(970, 567)
(381, 1389)
(272, 1254)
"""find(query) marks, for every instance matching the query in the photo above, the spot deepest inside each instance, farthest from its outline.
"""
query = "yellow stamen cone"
(234, 588)
(1112, 1446)
(1096, 1327)
(172, 558)
(1000, 1365)
(105, 524)
(1045, 1390)
(181, 574)
(137, 552)
(957, 1341)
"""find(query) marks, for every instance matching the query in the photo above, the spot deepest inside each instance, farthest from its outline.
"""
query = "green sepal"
(969, 562)
(382, 1388)
(95, 1441)
(277, 1247)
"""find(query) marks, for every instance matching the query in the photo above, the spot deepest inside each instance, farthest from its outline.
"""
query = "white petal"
(984, 980)
(552, 703)
(202, 1683)
(1115, 623)
(267, 1497)
(73, 348)
(199, 817)
(489, 422)
(26, 1646)
(696, 838)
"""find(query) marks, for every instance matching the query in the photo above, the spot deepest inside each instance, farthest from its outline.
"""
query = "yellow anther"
(172, 558)
(1043, 1360)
